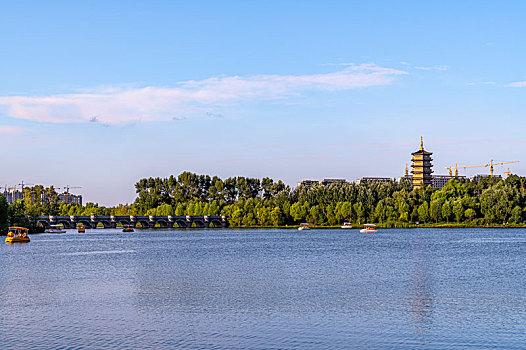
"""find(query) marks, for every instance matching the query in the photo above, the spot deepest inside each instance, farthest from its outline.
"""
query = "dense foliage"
(255, 202)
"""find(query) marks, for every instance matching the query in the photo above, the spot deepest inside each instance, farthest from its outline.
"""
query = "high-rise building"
(422, 167)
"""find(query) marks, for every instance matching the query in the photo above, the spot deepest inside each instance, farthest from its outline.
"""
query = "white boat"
(368, 228)
(346, 225)
(56, 229)
(304, 227)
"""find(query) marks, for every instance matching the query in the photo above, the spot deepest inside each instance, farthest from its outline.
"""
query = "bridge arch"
(105, 223)
(144, 223)
(44, 223)
(122, 222)
(216, 223)
(66, 224)
(163, 223)
(198, 223)
(87, 224)
(180, 223)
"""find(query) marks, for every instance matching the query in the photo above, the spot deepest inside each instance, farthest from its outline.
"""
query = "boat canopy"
(17, 228)
(369, 225)
(56, 226)
(304, 224)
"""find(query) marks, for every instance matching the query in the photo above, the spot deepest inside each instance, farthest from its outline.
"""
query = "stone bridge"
(92, 221)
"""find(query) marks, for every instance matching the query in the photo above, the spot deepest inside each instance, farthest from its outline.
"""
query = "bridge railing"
(146, 221)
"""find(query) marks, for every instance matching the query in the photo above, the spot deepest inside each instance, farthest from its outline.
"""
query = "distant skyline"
(100, 94)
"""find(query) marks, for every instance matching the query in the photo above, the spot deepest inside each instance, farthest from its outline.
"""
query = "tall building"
(422, 167)
(70, 198)
(12, 196)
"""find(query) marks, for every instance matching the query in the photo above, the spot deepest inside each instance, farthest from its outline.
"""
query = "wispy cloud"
(11, 130)
(517, 84)
(123, 105)
(439, 68)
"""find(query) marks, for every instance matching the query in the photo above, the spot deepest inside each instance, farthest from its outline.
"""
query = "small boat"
(127, 228)
(56, 229)
(304, 227)
(81, 229)
(17, 235)
(368, 228)
(346, 225)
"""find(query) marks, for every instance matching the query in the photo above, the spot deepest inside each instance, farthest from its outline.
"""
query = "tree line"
(252, 202)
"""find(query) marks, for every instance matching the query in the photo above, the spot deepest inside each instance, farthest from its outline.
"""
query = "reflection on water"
(421, 301)
(263, 289)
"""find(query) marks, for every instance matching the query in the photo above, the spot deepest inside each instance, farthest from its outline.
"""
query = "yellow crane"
(490, 165)
(451, 170)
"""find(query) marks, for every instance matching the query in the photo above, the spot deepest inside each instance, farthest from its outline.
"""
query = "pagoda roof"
(421, 151)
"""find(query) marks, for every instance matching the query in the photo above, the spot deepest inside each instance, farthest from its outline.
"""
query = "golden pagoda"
(421, 167)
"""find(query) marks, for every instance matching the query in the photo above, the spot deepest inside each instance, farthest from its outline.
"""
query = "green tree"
(458, 210)
(423, 212)
(298, 212)
(359, 210)
(16, 214)
(4, 214)
(277, 217)
(470, 213)
(516, 215)
(237, 217)
(435, 209)
(447, 211)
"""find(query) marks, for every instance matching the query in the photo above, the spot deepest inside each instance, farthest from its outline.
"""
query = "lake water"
(265, 289)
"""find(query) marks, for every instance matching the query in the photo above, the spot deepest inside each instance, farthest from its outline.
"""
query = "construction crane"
(490, 165)
(23, 185)
(507, 173)
(451, 170)
(66, 188)
(456, 167)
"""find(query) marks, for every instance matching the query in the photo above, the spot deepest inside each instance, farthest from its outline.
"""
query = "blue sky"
(101, 93)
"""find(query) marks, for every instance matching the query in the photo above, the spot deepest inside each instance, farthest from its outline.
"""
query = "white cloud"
(517, 84)
(123, 105)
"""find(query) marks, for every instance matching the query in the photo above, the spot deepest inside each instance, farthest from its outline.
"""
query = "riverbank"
(385, 226)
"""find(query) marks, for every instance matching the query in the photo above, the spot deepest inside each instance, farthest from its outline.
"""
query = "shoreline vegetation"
(265, 203)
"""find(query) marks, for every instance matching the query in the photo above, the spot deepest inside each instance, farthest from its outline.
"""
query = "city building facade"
(307, 183)
(12, 196)
(365, 180)
(440, 181)
(326, 182)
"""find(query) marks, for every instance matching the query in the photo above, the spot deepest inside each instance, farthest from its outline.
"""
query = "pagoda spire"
(421, 143)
